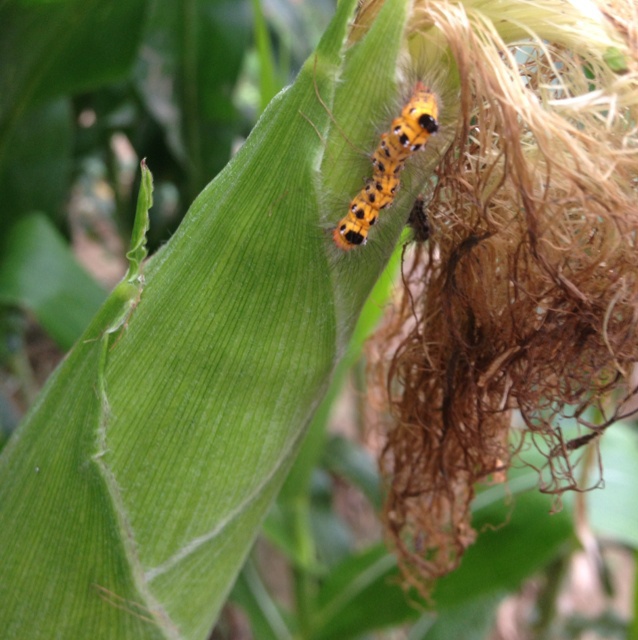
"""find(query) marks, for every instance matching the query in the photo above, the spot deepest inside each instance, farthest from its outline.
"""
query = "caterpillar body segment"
(388, 157)
(353, 228)
(395, 145)
(408, 134)
(418, 120)
(362, 209)
(350, 233)
(381, 189)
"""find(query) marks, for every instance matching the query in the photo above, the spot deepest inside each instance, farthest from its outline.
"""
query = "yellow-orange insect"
(408, 134)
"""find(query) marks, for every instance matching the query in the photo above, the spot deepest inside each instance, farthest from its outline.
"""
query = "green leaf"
(297, 483)
(183, 86)
(265, 619)
(279, 530)
(612, 509)
(137, 252)
(354, 463)
(471, 621)
(361, 594)
(38, 272)
(269, 84)
(36, 172)
(527, 537)
(128, 292)
(364, 592)
(332, 538)
(49, 49)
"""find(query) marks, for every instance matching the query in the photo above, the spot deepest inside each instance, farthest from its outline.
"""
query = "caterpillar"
(408, 134)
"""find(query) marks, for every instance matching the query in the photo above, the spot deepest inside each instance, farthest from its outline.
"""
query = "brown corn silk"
(526, 296)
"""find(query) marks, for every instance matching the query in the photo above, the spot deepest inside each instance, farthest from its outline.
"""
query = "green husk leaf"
(135, 487)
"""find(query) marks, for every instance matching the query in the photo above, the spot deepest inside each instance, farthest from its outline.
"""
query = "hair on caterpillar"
(400, 206)
(407, 134)
(408, 121)
(345, 269)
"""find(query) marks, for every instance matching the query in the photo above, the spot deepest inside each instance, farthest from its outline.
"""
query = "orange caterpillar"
(408, 133)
